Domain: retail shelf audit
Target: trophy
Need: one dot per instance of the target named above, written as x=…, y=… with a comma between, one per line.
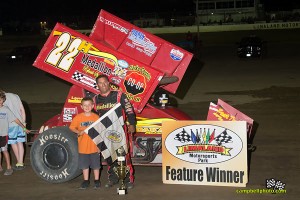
x=121, y=172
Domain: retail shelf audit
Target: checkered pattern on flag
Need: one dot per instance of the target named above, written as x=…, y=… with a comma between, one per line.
x=183, y=136
x=223, y=138
x=108, y=133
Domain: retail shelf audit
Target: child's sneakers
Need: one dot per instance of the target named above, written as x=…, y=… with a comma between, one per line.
x=84, y=185
x=97, y=184
x=8, y=172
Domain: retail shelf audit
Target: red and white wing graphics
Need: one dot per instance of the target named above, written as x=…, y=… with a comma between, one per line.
x=78, y=59
x=142, y=46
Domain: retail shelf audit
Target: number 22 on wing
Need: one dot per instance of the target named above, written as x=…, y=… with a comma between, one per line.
x=62, y=60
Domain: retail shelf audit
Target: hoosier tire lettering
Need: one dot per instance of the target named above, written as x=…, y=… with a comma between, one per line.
x=63, y=175
x=54, y=155
x=43, y=139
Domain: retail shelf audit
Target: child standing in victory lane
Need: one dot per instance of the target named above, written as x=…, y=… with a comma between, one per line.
x=89, y=156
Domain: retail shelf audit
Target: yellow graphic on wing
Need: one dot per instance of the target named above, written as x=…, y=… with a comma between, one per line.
x=150, y=126
x=94, y=51
x=104, y=55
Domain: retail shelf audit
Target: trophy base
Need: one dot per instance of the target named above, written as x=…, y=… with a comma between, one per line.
x=121, y=191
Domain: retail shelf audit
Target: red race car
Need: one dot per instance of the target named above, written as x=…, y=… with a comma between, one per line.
x=141, y=65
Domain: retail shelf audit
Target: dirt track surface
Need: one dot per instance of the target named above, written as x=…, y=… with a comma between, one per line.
x=267, y=90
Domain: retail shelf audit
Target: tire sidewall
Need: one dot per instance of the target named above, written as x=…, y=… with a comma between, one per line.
x=64, y=139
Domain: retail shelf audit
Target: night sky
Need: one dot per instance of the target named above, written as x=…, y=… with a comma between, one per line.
x=43, y=9
x=16, y=9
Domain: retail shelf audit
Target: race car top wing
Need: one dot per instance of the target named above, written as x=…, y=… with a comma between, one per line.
x=142, y=46
x=79, y=59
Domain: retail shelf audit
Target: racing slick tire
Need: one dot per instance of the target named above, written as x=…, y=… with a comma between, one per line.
x=54, y=155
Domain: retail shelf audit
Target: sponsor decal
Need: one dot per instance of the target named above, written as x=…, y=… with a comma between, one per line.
x=150, y=126
x=106, y=106
x=83, y=79
x=140, y=70
x=176, y=55
x=141, y=43
x=114, y=25
x=135, y=83
x=119, y=72
x=67, y=118
x=220, y=113
x=75, y=99
x=71, y=111
x=113, y=136
x=131, y=97
x=203, y=144
x=100, y=66
x=115, y=80
x=89, y=71
x=149, y=129
x=123, y=64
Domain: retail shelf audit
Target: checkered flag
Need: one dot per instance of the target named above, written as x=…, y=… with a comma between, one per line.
x=183, y=136
x=223, y=138
x=108, y=134
x=83, y=78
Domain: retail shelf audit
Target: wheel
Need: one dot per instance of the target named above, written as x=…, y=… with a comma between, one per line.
x=54, y=155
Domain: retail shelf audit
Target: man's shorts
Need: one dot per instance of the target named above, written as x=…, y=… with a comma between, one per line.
x=3, y=143
x=15, y=135
x=89, y=161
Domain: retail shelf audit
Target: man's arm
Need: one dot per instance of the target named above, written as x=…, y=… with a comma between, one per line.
x=131, y=128
x=129, y=111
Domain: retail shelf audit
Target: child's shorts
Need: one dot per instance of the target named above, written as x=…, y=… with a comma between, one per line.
x=89, y=161
x=3, y=143
x=15, y=135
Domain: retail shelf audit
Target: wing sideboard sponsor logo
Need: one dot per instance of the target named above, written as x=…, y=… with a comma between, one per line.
x=176, y=55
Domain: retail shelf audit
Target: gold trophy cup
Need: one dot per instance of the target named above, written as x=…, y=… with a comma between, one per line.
x=121, y=171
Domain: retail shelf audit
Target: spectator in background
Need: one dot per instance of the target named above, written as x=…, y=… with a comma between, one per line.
x=16, y=135
x=6, y=117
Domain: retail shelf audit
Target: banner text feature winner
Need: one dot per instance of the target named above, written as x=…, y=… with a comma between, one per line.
x=205, y=153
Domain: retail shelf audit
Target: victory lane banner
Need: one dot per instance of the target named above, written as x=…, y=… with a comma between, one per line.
x=205, y=153
x=78, y=59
